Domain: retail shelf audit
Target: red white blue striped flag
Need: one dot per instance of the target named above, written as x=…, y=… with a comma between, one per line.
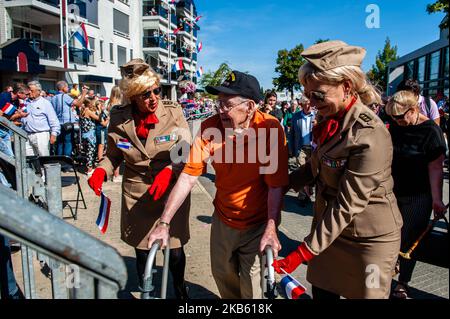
x=103, y=214
x=292, y=287
x=9, y=109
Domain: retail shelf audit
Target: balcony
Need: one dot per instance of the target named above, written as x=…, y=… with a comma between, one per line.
x=47, y=50
x=157, y=42
x=78, y=56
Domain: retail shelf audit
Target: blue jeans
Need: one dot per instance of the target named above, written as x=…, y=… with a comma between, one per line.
x=64, y=143
x=8, y=285
x=5, y=142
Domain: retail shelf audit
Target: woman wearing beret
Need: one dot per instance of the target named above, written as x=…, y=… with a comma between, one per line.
x=354, y=240
x=144, y=133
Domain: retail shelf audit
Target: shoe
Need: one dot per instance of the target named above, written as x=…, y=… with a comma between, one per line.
x=182, y=293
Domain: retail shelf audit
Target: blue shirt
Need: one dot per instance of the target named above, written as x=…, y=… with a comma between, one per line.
x=302, y=125
x=41, y=117
x=62, y=104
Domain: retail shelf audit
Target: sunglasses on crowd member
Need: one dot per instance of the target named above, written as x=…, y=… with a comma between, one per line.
x=317, y=95
x=401, y=116
x=147, y=94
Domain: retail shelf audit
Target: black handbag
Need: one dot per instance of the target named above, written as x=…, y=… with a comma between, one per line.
x=434, y=247
x=69, y=126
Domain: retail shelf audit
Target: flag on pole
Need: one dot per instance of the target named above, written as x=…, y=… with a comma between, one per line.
x=198, y=18
x=199, y=47
x=82, y=36
x=174, y=1
x=178, y=66
x=9, y=109
x=292, y=287
x=177, y=30
x=200, y=72
x=103, y=214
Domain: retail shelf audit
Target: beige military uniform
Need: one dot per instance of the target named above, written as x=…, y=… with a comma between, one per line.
x=140, y=212
x=355, y=231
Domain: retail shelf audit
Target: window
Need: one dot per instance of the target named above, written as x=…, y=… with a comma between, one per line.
x=121, y=22
x=102, y=54
x=111, y=52
x=121, y=55
x=434, y=65
x=446, y=62
x=92, y=52
x=131, y=54
x=421, y=70
x=409, y=71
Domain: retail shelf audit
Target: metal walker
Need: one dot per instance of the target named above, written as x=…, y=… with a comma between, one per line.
x=147, y=282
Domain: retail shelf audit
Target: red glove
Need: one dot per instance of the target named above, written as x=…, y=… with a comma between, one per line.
x=293, y=260
x=161, y=183
x=96, y=180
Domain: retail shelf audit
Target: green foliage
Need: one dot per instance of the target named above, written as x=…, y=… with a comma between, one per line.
x=378, y=74
x=440, y=6
x=288, y=64
x=215, y=77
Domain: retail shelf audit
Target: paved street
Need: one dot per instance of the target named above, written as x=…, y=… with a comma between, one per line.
x=428, y=281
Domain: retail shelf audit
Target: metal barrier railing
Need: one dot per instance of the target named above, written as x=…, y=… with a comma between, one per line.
x=93, y=268
x=147, y=281
x=81, y=266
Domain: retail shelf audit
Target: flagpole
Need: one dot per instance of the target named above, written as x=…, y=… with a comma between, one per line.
x=169, y=39
x=192, y=40
x=296, y=281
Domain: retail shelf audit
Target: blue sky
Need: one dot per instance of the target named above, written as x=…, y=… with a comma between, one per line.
x=248, y=33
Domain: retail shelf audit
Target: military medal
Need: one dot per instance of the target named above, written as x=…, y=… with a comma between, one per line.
x=165, y=138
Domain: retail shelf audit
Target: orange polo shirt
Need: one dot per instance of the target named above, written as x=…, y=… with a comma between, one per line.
x=245, y=167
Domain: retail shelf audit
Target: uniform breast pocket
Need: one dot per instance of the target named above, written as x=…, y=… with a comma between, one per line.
x=332, y=170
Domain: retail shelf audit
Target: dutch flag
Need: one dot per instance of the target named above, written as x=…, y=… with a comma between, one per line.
x=200, y=72
x=9, y=109
x=82, y=36
x=178, y=66
x=103, y=214
x=292, y=287
x=199, y=47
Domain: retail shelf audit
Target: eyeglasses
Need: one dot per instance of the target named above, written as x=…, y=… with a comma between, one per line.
x=147, y=94
x=400, y=117
x=226, y=107
x=317, y=95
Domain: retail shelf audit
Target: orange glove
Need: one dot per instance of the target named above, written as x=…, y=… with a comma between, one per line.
x=96, y=180
x=293, y=260
x=161, y=183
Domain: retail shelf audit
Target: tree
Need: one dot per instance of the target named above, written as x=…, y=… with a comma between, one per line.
x=216, y=77
x=321, y=40
x=440, y=6
x=288, y=64
x=378, y=74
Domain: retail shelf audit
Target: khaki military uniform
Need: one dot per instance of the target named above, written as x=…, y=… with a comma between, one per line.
x=355, y=231
x=140, y=213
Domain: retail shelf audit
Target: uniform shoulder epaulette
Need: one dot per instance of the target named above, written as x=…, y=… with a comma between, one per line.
x=169, y=103
x=366, y=117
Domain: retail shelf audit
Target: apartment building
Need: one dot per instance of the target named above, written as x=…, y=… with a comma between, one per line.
x=161, y=21
x=36, y=42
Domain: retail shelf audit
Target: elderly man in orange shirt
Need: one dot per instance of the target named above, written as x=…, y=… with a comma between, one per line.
x=248, y=151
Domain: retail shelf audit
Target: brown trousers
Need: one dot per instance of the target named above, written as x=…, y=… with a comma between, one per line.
x=236, y=261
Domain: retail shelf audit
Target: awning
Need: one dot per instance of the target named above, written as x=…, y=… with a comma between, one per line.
x=16, y=55
x=94, y=78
